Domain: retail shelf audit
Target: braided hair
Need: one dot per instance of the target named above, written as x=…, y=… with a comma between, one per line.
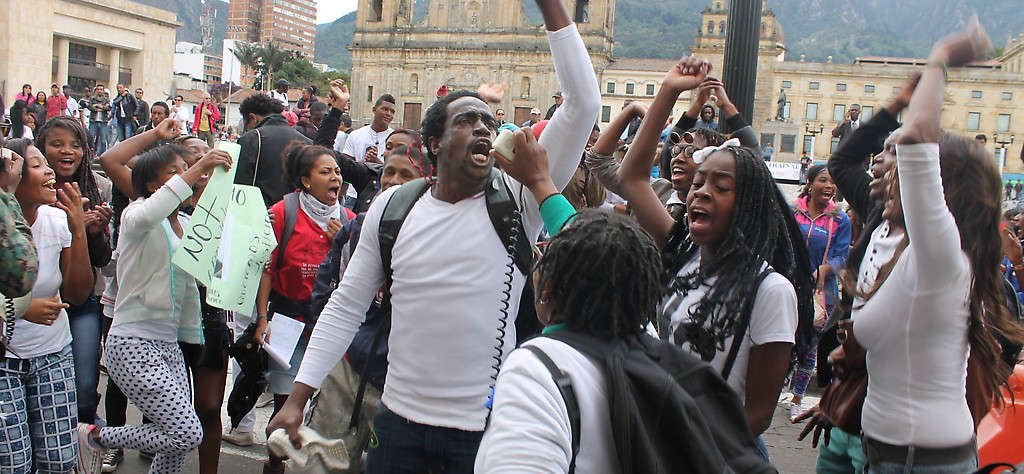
x=600, y=273
x=84, y=175
x=762, y=230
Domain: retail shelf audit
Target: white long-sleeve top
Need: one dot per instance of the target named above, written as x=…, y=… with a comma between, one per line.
x=449, y=269
x=530, y=430
x=915, y=326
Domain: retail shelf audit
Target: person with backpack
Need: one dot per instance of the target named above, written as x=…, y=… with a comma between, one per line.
x=463, y=270
x=305, y=223
x=916, y=417
x=737, y=281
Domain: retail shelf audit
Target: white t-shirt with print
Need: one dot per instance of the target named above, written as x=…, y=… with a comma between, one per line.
x=773, y=319
x=51, y=235
x=358, y=141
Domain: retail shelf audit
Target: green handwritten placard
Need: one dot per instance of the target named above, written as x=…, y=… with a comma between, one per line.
x=246, y=243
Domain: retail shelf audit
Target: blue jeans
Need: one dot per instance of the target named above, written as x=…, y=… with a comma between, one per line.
x=125, y=128
x=965, y=466
x=98, y=130
x=38, y=416
x=398, y=445
x=85, y=331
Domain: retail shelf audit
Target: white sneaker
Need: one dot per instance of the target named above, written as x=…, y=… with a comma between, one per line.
x=795, y=409
x=90, y=457
x=239, y=438
x=332, y=452
x=265, y=400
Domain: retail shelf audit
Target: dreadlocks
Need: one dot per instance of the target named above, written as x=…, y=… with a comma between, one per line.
x=601, y=275
x=83, y=175
x=762, y=230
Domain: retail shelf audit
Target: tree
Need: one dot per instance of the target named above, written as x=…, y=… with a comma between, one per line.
x=271, y=57
x=248, y=55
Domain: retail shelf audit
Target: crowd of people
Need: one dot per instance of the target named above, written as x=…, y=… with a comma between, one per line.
x=472, y=306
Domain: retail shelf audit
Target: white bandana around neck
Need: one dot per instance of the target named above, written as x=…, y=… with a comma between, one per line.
x=700, y=155
x=320, y=213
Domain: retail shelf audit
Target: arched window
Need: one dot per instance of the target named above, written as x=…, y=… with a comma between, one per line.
x=711, y=27
x=524, y=86
x=718, y=6
x=582, y=13
x=721, y=28
x=376, y=10
x=414, y=81
x=764, y=30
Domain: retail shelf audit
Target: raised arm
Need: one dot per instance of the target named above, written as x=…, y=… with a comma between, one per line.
x=158, y=206
x=636, y=166
x=600, y=159
x=115, y=160
x=929, y=223
x=846, y=165
x=567, y=133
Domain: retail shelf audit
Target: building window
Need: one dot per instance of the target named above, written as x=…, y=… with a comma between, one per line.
x=606, y=113
x=841, y=87
x=524, y=85
x=369, y=93
x=582, y=14
x=788, y=144
x=1007, y=95
x=812, y=111
x=377, y=10
x=866, y=113
x=808, y=143
x=610, y=88
x=630, y=88
x=833, y=145
x=650, y=89
x=711, y=27
x=869, y=89
x=839, y=112
x=721, y=28
x=787, y=84
x=974, y=120
x=414, y=80
x=815, y=86
x=975, y=94
x=767, y=139
x=1003, y=123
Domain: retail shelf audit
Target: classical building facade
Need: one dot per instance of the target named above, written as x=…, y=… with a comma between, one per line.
x=90, y=41
x=461, y=44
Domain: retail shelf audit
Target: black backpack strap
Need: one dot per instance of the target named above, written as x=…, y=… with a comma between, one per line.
x=564, y=384
x=503, y=211
x=395, y=212
x=382, y=330
x=741, y=330
x=291, y=210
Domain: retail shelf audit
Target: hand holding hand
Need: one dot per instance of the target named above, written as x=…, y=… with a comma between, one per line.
x=44, y=310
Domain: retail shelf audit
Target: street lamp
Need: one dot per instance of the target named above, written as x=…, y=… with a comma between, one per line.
x=813, y=132
x=1002, y=141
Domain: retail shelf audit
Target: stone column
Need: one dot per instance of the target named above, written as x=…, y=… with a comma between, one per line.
x=740, y=65
x=115, y=68
x=63, y=53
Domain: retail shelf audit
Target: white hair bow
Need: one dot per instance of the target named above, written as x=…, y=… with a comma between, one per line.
x=700, y=155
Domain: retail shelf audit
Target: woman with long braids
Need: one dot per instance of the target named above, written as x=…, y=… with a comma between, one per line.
x=826, y=232
x=734, y=265
x=930, y=297
x=65, y=143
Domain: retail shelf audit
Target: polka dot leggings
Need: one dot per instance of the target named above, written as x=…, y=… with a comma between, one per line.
x=152, y=375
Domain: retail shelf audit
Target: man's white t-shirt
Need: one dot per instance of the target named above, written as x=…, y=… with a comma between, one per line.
x=72, y=108
x=281, y=97
x=773, y=319
x=339, y=142
x=51, y=235
x=182, y=115
x=357, y=143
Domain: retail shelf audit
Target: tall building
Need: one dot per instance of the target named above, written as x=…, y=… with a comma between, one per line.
x=289, y=23
x=461, y=44
x=84, y=43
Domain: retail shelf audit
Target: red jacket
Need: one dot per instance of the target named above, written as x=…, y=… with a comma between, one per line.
x=56, y=105
x=214, y=117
